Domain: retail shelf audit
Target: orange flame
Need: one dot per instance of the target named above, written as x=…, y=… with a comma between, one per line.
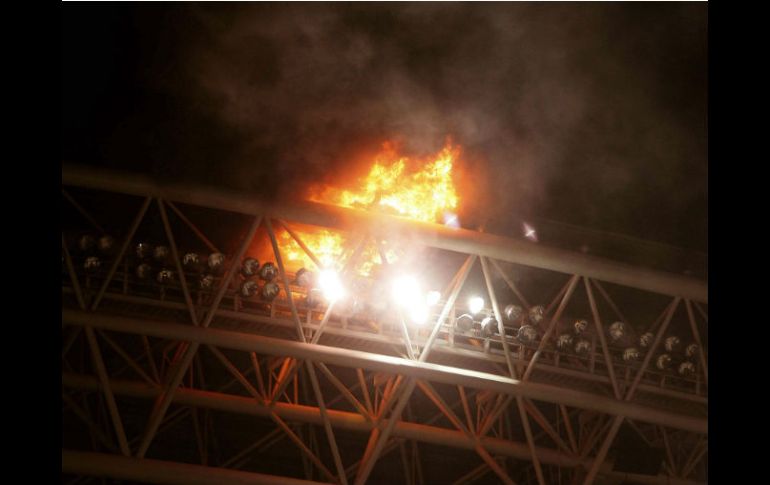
x=327, y=246
x=419, y=189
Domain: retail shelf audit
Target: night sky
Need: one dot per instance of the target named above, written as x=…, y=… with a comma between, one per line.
x=593, y=115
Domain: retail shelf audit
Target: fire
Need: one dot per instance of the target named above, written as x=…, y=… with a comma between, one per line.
x=327, y=246
x=331, y=248
x=417, y=188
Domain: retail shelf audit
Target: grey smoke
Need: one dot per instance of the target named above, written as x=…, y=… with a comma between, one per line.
x=593, y=114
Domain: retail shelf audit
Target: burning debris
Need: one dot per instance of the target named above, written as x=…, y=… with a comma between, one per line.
x=421, y=189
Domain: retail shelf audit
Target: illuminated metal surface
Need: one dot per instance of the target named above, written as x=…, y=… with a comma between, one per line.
x=365, y=365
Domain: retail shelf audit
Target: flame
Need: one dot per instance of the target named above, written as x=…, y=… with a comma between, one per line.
x=331, y=248
x=421, y=189
x=326, y=245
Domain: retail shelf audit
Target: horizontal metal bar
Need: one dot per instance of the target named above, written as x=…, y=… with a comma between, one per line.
x=438, y=346
x=165, y=472
x=434, y=235
x=384, y=363
x=339, y=419
x=355, y=422
x=622, y=477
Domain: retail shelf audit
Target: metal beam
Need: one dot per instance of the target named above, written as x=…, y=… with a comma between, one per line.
x=345, y=420
x=340, y=419
x=602, y=338
x=551, y=326
x=696, y=336
x=512, y=370
x=83, y=212
x=455, y=420
x=96, y=357
x=383, y=363
x=177, y=262
x=618, y=420
x=310, y=369
x=165, y=472
x=161, y=405
x=194, y=228
x=439, y=347
x=134, y=226
x=378, y=439
x=434, y=235
x=93, y=427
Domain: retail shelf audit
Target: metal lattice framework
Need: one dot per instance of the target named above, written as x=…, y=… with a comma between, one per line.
x=348, y=388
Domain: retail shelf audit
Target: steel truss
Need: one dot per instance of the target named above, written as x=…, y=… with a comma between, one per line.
x=320, y=376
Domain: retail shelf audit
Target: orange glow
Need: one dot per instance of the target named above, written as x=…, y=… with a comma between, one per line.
x=325, y=245
x=419, y=189
x=331, y=248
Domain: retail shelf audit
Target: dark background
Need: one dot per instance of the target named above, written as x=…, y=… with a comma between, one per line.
x=593, y=115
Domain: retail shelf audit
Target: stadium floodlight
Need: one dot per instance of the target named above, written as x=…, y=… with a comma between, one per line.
x=475, y=304
x=663, y=362
x=686, y=369
x=206, y=282
x=489, y=326
x=631, y=354
x=527, y=334
x=513, y=312
x=216, y=263
x=617, y=331
x=536, y=314
x=304, y=278
x=92, y=264
x=86, y=243
x=143, y=271
x=270, y=291
x=408, y=295
x=250, y=267
x=582, y=346
x=165, y=276
x=161, y=254
x=464, y=322
x=106, y=244
x=329, y=282
x=248, y=288
x=672, y=343
x=564, y=342
x=646, y=340
x=143, y=251
x=691, y=350
x=405, y=291
x=191, y=262
x=268, y=272
x=313, y=297
x=419, y=314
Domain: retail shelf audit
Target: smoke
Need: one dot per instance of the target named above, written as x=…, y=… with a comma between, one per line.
x=589, y=113
x=309, y=88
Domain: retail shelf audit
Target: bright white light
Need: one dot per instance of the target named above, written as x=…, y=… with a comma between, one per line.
x=330, y=284
x=451, y=220
x=408, y=295
x=406, y=291
x=475, y=304
x=419, y=314
x=433, y=297
x=529, y=232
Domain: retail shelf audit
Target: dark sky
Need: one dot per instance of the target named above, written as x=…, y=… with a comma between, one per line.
x=589, y=114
